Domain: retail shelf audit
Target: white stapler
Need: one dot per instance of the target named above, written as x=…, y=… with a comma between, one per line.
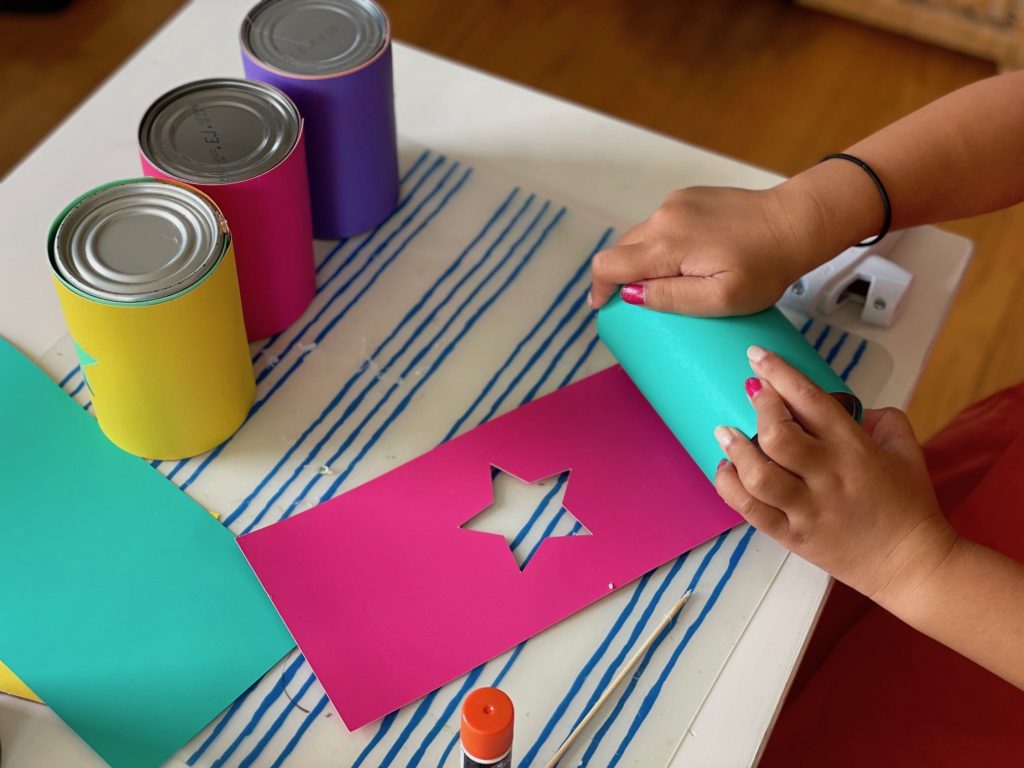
x=861, y=275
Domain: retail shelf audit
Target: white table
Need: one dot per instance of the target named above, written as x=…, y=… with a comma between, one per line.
x=604, y=162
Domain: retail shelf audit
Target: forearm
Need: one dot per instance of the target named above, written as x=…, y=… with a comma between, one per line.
x=959, y=156
x=973, y=602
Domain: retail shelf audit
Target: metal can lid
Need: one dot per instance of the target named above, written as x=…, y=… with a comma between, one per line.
x=314, y=37
x=138, y=241
x=219, y=131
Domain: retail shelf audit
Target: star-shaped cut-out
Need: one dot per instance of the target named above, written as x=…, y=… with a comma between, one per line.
x=525, y=514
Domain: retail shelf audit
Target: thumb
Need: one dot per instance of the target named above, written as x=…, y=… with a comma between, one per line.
x=685, y=295
x=890, y=428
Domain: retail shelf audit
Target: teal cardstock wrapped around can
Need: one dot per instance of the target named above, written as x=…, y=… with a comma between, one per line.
x=692, y=369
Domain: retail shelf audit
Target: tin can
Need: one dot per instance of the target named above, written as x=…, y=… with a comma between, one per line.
x=241, y=142
x=333, y=57
x=145, y=273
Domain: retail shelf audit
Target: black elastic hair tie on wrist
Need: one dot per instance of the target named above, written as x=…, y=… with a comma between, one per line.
x=887, y=221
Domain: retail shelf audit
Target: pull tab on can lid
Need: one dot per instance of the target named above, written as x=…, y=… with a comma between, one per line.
x=487, y=720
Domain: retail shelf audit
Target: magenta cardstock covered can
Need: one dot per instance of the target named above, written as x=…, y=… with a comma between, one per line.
x=241, y=142
x=333, y=58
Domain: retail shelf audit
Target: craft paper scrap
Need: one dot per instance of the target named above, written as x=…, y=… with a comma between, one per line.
x=389, y=598
x=126, y=607
x=11, y=683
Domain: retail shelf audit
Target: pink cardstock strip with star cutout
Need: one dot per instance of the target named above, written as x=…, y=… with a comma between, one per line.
x=389, y=598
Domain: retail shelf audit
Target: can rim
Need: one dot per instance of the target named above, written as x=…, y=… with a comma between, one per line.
x=192, y=183
x=52, y=237
x=247, y=51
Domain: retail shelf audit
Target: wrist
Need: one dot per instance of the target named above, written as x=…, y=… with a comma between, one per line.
x=915, y=568
x=839, y=206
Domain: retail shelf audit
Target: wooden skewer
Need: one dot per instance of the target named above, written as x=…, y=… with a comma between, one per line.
x=622, y=675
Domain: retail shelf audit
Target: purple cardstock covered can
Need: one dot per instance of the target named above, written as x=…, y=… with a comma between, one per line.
x=333, y=58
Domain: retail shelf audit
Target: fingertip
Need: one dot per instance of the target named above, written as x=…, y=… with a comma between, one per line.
x=725, y=437
x=597, y=299
x=634, y=293
x=756, y=355
x=753, y=385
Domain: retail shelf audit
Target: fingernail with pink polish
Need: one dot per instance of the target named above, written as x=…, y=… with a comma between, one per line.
x=722, y=463
x=632, y=293
x=756, y=354
x=724, y=436
x=753, y=386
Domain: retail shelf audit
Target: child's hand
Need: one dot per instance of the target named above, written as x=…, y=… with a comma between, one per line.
x=855, y=501
x=713, y=251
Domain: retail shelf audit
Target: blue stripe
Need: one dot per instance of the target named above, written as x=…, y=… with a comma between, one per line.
x=323, y=263
x=365, y=366
x=302, y=357
x=806, y=326
x=526, y=339
x=635, y=677
x=453, y=343
x=541, y=348
x=655, y=691
x=369, y=259
x=279, y=687
x=382, y=731
x=278, y=721
x=588, y=319
x=285, y=678
x=78, y=388
x=579, y=363
x=422, y=708
x=313, y=715
x=548, y=531
x=836, y=347
x=468, y=326
x=220, y=724
x=822, y=337
x=321, y=284
x=67, y=376
x=856, y=359
x=541, y=506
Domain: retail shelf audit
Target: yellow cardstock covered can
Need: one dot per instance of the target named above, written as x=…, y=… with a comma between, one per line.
x=145, y=274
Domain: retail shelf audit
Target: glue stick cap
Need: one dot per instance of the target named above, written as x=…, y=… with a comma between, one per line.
x=487, y=718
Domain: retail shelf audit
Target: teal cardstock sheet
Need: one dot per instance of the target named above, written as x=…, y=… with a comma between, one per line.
x=126, y=606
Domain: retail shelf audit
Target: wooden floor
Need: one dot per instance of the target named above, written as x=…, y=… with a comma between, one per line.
x=762, y=80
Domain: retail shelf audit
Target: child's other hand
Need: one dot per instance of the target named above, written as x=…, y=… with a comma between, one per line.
x=855, y=501
x=712, y=251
